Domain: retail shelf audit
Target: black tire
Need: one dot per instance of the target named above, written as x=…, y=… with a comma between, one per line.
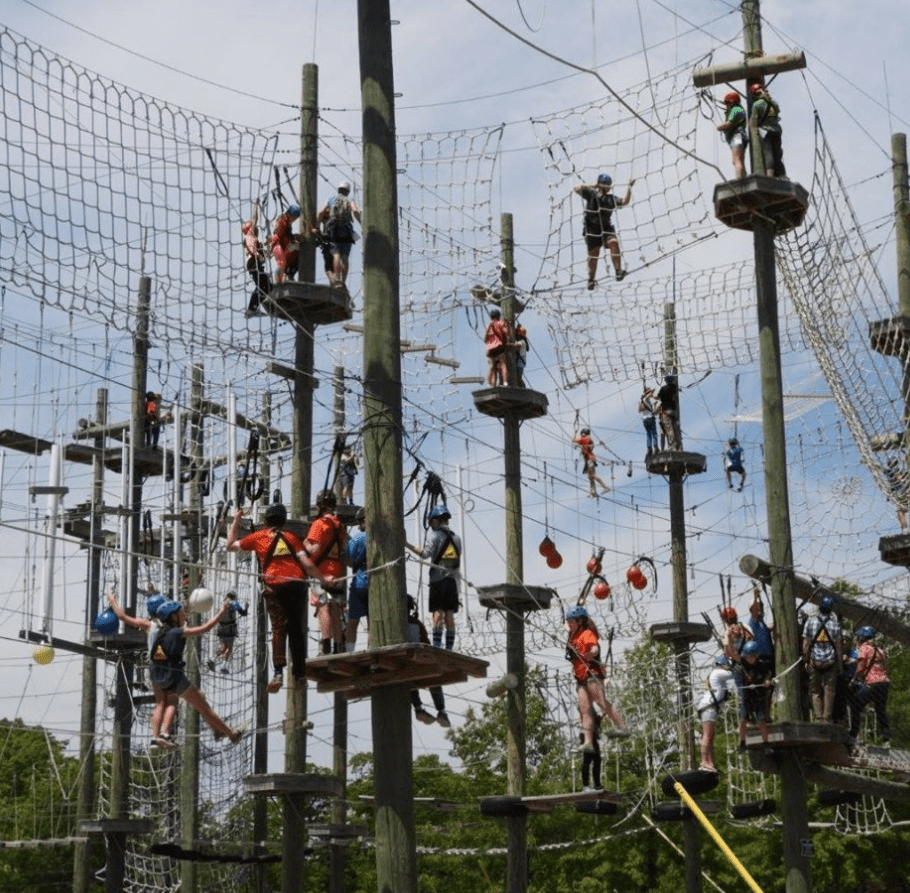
x=670, y=812
x=754, y=809
x=502, y=806
x=695, y=782
x=597, y=807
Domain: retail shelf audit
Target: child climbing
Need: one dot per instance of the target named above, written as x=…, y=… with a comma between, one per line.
x=598, y=229
x=733, y=464
x=583, y=650
x=585, y=443
x=721, y=685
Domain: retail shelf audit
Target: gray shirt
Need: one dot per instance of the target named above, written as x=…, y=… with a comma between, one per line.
x=443, y=549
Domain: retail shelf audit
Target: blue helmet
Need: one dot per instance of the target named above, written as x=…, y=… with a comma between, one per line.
x=721, y=661
x=865, y=632
x=153, y=603
x=294, y=210
x=579, y=612
x=604, y=180
x=750, y=648
x=440, y=512
x=107, y=623
x=168, y=608
x=826, y=604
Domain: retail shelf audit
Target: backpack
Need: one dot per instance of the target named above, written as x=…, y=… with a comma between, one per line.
x=340, y=225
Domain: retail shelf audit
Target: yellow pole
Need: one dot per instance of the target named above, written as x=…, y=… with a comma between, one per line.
x=717, y=838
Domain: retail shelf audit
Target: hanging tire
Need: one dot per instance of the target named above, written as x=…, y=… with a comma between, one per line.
x=834, y=797
x=695, y=782
x=754, y=809
x=670, y=812
x=597, y=807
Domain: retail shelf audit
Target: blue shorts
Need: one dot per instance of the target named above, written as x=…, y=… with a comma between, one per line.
x=358, y=603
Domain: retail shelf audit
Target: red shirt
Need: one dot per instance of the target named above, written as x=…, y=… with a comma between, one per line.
x=871, y=664
x=587, y=447
x=585, y=664
x=284, y=567
x=329, y=534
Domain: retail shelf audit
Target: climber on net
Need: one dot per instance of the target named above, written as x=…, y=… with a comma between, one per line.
x=284, y=244
x=585, y=443
x=336, y=220
x=255, y=264
x=734, y=131
x=766, y=117
x=733, y=464
x=597, y=228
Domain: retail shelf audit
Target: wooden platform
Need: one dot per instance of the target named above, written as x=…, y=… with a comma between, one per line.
x=679, y=462
x=278, y=784
x=356, y=674
x=895, y=549
x=336, y=835
x=890, y=337
x=513, y=805
x=738, y=202
x=673, y=631
x=307, y=302
x=522, y=403
x=516, y=597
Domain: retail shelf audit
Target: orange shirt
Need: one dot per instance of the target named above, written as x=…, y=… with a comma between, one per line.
x=284, y=567
x=330, y=535
x=584, y=664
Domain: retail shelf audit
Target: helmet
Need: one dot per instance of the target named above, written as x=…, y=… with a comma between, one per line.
x=826, y=604
x=670, y=378
x=276, y=515
x=734, y=441
x=520, y=330
x=750, y=648
x=585, y=431
x=728, y=615
x=579, y=612
x=344, y=187
x=731, y=98
x=495, y=313
x=153, y=603
x=293, y=210
x=360, y=515
x=167, y=609
x=604, y=180
x=721, y=661
x=149, y=395
x=865, y=632
x=440, y=512
x=755, y=89
x=326, y=499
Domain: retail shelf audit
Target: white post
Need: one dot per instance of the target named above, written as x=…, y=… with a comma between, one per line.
x=55, y=475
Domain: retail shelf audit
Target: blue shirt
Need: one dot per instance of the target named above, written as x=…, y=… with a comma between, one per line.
x=357, y=556
x=762, y=636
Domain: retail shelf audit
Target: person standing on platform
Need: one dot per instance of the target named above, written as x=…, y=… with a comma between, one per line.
x=325, y=545
x=442, y=548
x=597, y=229
x=585, y=443
x=822, y=658
x=347, y=471
x=871, y=684
x=766, y=116
x=498, y=340
x=583, y=650
x=283, y=238
x=521, y=347
x=756, y=684
x=721, y=685
x=152, y=419
x=734, y=131
x=359, y=590
x=668, y=409
x=337, y=220
x=255, y=265
x=648, y=411
x=284, y=567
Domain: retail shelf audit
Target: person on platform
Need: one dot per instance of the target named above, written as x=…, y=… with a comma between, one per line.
x=498, y=341
x=721, y=685
x=766, y=117
x=647, y=409
x=583, y=650
x=756, y=683
x=442, y=548
x=347, y=472
x=326, y=545
x=734, y=130
x=668, y=413
x=284, y=566
x=822, y=658
x=871, y=684
x=284, y=244
x=255, y=265
x=359, y=590
x=733, y=464
x=521, y=346
x=597, y=228
x=152, y=419
x=337, y=221
x=417, y=634
x=585, y=444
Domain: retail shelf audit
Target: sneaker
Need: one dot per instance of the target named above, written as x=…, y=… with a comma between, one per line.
x=275, y=684
x=162, y=743
x=620, y=275
x=591, y=284
x=424, y=716
x=443, y=719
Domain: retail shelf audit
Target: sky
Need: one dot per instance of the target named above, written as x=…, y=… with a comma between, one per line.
x=458, y=72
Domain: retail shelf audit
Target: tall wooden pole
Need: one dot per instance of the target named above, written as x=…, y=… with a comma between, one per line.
x=396, y=860
x=515, y=625
x=901, y=192
x=780, y=544
x=85, y=797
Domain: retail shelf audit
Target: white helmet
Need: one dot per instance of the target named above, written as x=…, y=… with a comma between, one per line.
x=344, y=187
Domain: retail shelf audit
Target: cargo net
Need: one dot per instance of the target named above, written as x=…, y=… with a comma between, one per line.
x=829, y=271
x=670, y=213
x=747, y=789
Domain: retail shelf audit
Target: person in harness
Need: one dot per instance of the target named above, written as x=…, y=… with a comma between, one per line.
x=325, y=544
x=598, y=229
x=766, y=117
x=284, y=567
x=733, y=464
x=822, y=658
x=721, y=685
x=336, y=220
x=734, y=131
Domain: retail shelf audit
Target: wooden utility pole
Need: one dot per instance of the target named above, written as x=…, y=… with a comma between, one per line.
x=396, y=859
x=775, y=205
x=85, y=797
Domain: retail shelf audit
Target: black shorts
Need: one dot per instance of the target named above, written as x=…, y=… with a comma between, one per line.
x=593, y=241
x=444, y=595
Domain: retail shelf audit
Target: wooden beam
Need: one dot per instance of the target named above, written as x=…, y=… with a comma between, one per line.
x=750, y=69
x=860, y=784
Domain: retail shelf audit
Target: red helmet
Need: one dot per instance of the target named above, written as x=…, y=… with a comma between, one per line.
x=728, y=615
x=731, y=98
x=755, y=89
